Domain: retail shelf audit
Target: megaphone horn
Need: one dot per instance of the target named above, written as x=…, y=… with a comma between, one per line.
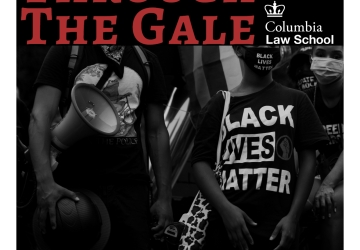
x=91, y=112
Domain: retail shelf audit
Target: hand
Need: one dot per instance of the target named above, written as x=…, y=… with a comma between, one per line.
x=324, y=200
x=287, y=227
x=235, y=223
x=47, y=197
x=162, y=211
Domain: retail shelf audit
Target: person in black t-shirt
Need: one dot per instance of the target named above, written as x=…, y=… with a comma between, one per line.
x=328, y=67
x=299, y=69
x=111, y=166
x=261, y=198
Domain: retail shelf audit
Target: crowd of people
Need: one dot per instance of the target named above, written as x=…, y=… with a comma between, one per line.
x=281, y=149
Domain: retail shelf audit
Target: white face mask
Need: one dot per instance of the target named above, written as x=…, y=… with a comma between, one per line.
x=327, y=70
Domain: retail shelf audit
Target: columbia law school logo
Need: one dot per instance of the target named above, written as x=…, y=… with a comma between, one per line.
x=274, y=10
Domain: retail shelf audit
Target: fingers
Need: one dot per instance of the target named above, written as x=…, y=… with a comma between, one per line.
x=317, y=203
x=162, y=216
x=275, y=232
x=160, y=225
x=329, y=205
x=233, y=239
x=237, y=239
x=249, y=220
x=42, y=219
x=320, y=205
x=240, y=237
x=334, y=203
x=323, y=207
x=247, y=235
x=159, y=228
x=47, y=205
x=71, y=194
x=52, y=214
x=241, y=240
x=279, y=247
x=285, y=242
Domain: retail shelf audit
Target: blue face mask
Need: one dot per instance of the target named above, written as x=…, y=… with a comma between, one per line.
x=327, y=70
x=260, y=60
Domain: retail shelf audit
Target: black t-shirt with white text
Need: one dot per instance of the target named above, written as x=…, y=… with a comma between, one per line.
x=260, y=132
x=332, y=120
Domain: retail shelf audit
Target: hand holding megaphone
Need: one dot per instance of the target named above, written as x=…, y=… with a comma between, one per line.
x=91, y=112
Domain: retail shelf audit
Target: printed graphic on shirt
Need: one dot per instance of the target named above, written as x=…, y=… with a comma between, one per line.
x=284, y=147
x=124, y=94
x=250, y=148
x=240, y=148
x=268, y=116
x=306, y=82
x=335, y=132
x=276, y=180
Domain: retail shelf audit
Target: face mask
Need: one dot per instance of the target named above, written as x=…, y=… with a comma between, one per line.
x=261, y=60
x=327, y=70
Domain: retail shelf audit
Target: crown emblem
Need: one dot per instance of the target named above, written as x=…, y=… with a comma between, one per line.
x=274, y=10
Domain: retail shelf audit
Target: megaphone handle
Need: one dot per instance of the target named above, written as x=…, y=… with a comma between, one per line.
x=105, y=76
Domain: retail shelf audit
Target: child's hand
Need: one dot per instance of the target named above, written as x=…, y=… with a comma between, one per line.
x=235, y=223
x=287, y=227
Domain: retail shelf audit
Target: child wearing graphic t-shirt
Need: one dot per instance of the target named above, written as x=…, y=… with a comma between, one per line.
x=260, y=199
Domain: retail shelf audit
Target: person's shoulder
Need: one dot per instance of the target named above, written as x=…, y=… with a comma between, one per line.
x=289, y=91
x=216, y=99
x=310, y=92
x=214, y=106
x=219, y=95
x=150, y=56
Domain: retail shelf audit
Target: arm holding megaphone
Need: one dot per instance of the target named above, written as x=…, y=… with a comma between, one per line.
x=48, y=191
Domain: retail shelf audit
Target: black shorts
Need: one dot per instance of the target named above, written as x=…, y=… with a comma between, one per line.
x=128, y=207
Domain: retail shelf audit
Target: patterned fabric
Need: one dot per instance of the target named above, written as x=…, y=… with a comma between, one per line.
x=114, y=52
x=196, y=220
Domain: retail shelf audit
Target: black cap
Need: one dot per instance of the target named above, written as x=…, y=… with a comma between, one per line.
x=301, y=57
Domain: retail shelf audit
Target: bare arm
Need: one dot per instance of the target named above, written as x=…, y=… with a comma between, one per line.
x=43, y=113
x=206, y=181
x=48, y=192
x=336, y=175
x=304, y=183
x=159, y=151
x=233, y=217
x=324, y=199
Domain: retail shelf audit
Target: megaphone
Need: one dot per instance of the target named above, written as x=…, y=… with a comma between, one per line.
x=91, y=112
